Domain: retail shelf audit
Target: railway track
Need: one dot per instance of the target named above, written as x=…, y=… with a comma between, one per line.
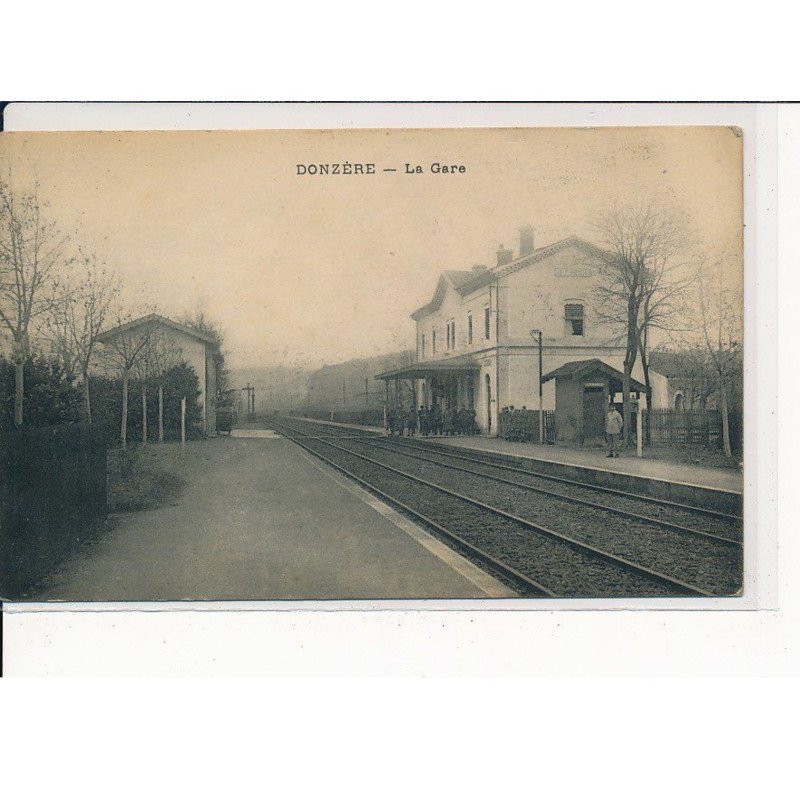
x=495, y=473
x=730, y=522
x=510, y=545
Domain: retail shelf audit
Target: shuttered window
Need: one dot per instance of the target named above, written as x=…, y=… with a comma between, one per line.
x=573, y=316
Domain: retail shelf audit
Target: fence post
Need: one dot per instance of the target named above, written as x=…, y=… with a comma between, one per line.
x=183, y=422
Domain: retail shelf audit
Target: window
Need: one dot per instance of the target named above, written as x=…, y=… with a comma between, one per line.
x=448, y=335
x=469, y=327
x=422, y=348
x=487, y=322
x=433, y=341
x=573, y=318
x=453, y=333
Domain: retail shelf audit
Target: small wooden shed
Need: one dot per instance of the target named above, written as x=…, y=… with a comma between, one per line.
x=583, y=391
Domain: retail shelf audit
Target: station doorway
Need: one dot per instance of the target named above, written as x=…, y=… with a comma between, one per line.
x=594, y=413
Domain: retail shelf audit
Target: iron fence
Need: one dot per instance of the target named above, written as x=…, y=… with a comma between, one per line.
x=698, y=427
x=523, y=426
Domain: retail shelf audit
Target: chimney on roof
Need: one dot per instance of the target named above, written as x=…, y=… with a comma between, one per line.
x=525, y=240
x=504, y=256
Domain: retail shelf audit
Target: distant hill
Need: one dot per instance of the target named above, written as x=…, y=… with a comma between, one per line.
x=351, y=385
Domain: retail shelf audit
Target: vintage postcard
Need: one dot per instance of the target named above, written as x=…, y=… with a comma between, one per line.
x=445, y=364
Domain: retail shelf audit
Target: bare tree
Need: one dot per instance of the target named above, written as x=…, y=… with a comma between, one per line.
x=722, y=329
x=76, y=319
x=665, y=292
x=32, y=253
x=639, y=288
x=696, y=374
x=57, y=329
x=124, y=347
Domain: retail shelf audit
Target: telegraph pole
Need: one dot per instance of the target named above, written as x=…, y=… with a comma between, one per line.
x=251, y=399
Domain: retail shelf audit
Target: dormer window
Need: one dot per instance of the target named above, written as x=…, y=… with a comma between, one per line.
x=573, y=319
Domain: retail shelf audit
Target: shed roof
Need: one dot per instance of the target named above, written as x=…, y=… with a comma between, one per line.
x=151, y=319
x=576, y=369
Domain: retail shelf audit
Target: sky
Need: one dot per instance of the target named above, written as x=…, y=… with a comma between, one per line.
x=304, y=270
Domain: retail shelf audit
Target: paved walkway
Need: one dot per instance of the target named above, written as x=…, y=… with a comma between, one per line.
x=261, y=519
x=711, y=477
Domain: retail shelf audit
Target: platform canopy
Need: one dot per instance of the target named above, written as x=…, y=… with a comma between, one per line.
x=422, y=370
x=577, y=369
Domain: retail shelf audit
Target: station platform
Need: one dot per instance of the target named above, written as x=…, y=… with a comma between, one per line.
x=261, y=519
x=668, y=479
x=626, y=464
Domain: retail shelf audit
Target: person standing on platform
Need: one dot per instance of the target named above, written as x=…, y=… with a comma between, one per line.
x=423, y=421
x=448, y=421
x=613, y=430
x=411, y=421
x=471, y=421
x=438, y=420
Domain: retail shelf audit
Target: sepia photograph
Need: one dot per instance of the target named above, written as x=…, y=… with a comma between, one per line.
x=388, y=364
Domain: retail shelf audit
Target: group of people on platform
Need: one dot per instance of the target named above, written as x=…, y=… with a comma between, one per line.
x=431, y=421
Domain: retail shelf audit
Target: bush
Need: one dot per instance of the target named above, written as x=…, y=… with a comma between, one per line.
x=136, y=481
x=50, y=396
x=106, y=399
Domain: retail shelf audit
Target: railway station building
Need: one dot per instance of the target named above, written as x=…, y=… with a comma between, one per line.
x=477, y=340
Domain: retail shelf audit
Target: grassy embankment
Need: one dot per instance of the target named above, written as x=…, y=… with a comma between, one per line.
x=140, y=478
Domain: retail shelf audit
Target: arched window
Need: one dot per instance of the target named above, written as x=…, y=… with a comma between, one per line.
x=679, y=401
